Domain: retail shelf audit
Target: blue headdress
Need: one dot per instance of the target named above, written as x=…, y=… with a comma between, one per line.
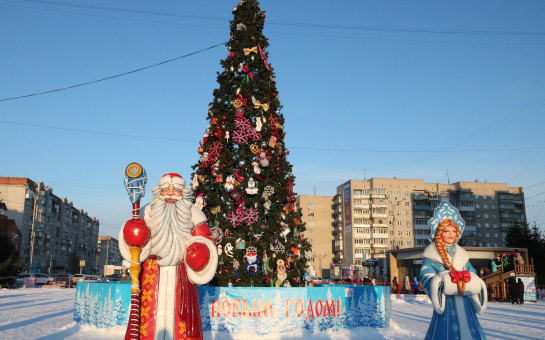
x=445, y=211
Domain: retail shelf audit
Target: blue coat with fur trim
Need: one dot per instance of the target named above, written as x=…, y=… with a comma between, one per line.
x=459, y=320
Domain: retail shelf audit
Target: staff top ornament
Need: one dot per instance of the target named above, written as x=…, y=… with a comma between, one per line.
x=445, y=211
x=135, y=181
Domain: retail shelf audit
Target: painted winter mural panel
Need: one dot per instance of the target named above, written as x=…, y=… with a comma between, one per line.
x=254, y=310
x=103, y=304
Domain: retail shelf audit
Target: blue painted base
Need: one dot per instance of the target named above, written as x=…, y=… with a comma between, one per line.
x=258, y=310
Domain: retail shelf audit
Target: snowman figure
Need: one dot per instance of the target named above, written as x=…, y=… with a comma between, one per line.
x=199, y=201
x=204, y=157
x=258, y=124
x=251, y=261
x=251, y=189
x=229, y=183
x=262, y=158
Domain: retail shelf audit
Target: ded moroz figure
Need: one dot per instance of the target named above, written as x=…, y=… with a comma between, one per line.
x=179, y=255
x=456, y=292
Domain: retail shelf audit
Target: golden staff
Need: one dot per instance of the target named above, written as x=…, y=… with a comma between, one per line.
x=136, y=234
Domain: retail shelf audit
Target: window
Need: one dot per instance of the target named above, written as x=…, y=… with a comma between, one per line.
x=399, y=213
x=408, y=243
x=400, y=233
x=495, y=226
x=477, y=205
x=496, y=235
x=487, y=235
x=493, y=206
x=408, y=213
x=485, y=215
x=484, y=197
x=311, y=223
x=389, y=193
x=310, y=206
x=408, y=223
x=408, y=233
x=407, y=204
x=487, y=225
x=310, y=214
x=406, y=194
x=485, y=206
x=398, y=193
x=399, y=222
x=478, y=224
x=311, y=241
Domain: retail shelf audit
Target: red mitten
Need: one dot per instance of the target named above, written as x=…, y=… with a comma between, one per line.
x=197, y=256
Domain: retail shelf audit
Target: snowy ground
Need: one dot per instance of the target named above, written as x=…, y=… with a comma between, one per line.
x=46, y=313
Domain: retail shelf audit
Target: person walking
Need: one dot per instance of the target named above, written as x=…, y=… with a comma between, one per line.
x=520, y=291
x=512, y=282
x=394, y=285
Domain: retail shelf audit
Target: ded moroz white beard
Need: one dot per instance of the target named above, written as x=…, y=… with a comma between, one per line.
x=170, y=225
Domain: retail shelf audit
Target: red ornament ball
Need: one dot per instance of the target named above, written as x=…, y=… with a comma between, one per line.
x=274, y=94
x=136, y=232
x=262, y=16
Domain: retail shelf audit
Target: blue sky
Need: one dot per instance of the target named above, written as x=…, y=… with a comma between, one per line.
x=410, y=89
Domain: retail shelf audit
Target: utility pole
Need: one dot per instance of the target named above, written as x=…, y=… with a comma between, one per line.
x=448, y=178
x=107, y=249
x=32, y=227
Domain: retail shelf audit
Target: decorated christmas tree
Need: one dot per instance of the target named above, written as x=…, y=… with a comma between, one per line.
x=243, y=181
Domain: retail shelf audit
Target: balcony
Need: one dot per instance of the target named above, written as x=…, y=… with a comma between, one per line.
x=380, y=215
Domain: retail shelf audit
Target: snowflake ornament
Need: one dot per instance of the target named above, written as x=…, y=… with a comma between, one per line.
x=250, y=216
x=269, y=190
x=234, y=219
x=280, y=248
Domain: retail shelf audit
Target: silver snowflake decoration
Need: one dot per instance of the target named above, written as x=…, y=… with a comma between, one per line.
x=280, y=248
x=269, y=190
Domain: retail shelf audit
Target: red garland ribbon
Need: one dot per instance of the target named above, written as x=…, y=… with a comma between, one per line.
x=289, y=186
x=456, y=276
x=238, y=176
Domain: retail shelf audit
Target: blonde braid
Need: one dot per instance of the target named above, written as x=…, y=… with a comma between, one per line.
x=442, y=249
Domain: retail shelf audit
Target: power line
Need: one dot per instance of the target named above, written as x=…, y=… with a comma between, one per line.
x=299, y=148
x=115, y=76
x=534, y=185
x=299, y=24
x=541, y=193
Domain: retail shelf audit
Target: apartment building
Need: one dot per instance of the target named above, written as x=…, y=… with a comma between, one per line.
x=55, y=235
x=373, y=216
x=108, y=253
x=317, y=215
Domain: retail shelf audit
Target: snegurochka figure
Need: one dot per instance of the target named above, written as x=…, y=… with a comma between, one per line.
x=451, y=282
